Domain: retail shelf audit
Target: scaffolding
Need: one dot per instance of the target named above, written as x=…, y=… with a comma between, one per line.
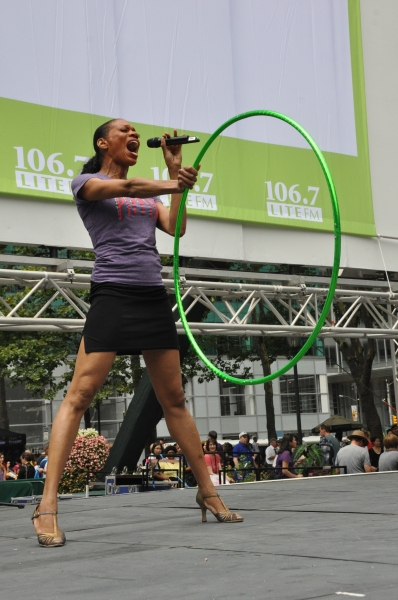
x=231, y=298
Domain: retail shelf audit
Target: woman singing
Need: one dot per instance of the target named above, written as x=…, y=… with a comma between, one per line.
x=130, y=312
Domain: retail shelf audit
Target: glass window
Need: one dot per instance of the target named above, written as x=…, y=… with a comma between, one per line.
x=308, y=391
x=330, y=355
x=26, y=412
x=384, y=350
x=34, y=433
x=336, y=401
x=232, y=399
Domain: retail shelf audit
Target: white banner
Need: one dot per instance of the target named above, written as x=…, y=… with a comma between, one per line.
x=190, y=64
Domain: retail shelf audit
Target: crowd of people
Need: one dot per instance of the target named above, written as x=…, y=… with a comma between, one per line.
x=369, y=454
x=167, y=463
x=357, y=453
x=29, y=466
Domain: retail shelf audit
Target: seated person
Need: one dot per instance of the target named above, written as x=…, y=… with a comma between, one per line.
x=153, y=462
x=213, y=462
x=169, y=462
x=156, y=452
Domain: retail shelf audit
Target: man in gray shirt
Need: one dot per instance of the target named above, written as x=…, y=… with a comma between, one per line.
x=355, y=456
x=390, y=456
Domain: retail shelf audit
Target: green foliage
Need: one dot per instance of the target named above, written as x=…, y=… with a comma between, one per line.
x=247, y=476
x=229, y=352
x=313, y=456
x=226, y=359
x=30, y=358
x=87, y=433
x=118, y=382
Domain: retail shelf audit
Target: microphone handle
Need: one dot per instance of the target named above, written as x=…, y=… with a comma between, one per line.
x=172, y=141
x=179, y=139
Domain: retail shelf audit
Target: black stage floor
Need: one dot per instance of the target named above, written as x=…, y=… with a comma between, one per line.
x=323, y=538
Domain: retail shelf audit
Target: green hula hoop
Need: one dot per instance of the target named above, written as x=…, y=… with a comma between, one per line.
x=336, y=260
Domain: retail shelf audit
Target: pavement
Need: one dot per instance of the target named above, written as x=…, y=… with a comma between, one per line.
x=304, y=539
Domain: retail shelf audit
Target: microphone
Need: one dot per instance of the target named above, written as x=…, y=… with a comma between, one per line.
x=172, y=141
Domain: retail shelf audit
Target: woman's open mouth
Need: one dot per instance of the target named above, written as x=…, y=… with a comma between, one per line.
x=132, y=145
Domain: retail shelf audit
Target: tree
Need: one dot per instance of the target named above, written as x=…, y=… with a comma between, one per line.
x=30, y=359
x=230, y=356
x=359, y=355
x=118, y=383
x=4, y=421
x=267, y=350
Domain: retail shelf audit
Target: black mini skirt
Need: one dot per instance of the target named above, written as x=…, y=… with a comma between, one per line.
x=127, y=319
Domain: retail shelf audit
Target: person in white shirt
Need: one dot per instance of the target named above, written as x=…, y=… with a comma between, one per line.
x=271, y=452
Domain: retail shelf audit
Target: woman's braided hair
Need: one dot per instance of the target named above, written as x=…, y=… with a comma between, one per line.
x=93, y=165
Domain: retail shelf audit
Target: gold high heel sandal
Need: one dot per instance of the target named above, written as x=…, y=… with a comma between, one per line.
x=50, y=540
x=223, y=517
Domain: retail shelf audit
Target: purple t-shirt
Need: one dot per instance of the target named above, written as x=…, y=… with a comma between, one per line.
x=122, y=231
x=285, y=456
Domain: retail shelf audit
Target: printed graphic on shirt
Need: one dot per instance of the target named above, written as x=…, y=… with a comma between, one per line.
x=136, y=206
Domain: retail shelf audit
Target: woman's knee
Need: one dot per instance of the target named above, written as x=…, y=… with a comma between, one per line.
x=81, y=395
x=173, y=398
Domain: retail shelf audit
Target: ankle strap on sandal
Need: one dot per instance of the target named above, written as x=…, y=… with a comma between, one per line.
x=47, y=512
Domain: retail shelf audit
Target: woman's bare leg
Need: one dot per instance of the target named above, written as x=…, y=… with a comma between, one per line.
x=90, y=372
x=165, y=374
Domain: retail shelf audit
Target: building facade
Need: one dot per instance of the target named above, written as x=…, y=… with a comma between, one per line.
x=230, y=409
x=325, y=387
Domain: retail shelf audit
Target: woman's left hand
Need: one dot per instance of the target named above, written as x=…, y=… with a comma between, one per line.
x=172, y=154
x=187, y=177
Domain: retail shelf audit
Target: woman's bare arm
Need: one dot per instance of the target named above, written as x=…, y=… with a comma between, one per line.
x=137, y=187
x=286, y=471
x=167, y=219
x=186, y=176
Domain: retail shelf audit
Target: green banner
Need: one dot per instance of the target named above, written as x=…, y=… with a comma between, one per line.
x=241, y=180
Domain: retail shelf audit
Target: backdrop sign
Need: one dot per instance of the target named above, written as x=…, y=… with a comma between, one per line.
x=65, y=70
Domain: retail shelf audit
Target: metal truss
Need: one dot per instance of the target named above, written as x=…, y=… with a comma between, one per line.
x=295, y=302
